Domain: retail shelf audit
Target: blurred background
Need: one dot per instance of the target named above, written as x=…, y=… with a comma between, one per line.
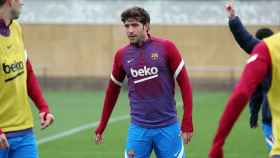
x=71, y=45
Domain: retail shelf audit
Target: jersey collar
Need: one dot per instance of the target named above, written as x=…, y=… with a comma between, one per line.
x=4, y=29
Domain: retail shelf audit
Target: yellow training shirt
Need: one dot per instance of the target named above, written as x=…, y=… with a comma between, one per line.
x=15, y=111
x=273, y=44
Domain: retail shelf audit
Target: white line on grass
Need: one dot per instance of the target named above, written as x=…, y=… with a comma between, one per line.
x=78, y=129
x=81, y=128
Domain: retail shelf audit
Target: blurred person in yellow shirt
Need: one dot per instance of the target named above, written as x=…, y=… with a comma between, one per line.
x=17, y=83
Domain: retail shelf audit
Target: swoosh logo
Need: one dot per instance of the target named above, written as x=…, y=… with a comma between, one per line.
x=129, y=61
x=14, y=77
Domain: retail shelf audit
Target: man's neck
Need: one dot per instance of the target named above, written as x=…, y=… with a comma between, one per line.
x=4, y=15
x=4, y=28
x=142, y=42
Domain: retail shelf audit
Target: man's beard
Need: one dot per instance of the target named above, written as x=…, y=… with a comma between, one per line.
x=15, y=14
x=139, y=40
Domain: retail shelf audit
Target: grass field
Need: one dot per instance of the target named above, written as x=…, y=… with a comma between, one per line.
x=78, y=112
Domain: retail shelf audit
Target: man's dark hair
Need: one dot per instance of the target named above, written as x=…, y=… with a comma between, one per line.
x=263, y=33
x=136, y=13
x=2, y=2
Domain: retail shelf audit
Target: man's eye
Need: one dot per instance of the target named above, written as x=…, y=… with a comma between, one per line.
x=134, y=25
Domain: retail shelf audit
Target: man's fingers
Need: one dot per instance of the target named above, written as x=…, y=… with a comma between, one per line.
x=49, y=118
x=3, y=142
x=44, y=125
x=187, y=137
x=98, y=139
x=229, y=7
x=46, y=119
x=231, y=4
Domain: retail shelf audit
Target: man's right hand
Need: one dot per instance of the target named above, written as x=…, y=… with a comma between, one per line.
x=230, y=9
x=3, y=141
x=46, y=119
x=187, y=137
x=98, y=138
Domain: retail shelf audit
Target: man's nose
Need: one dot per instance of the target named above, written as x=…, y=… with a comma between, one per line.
x=130, y=29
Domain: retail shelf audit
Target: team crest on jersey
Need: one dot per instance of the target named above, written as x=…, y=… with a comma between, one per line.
x=154, y=56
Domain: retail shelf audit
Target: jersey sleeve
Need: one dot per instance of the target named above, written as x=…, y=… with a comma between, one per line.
x=258, y=65
x=244, y=38
x=180, y=74
x=34, y=89
x=118, y=73
x=175, y=59
x=112, y=92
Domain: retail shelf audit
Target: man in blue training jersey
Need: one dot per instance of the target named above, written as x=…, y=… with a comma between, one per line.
x=151, y=65
x=259, y=98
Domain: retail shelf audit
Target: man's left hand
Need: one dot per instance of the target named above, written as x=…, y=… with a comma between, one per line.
x=46, y=119
x=187, y=137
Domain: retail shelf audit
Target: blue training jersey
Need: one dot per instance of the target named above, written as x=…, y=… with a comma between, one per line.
x=151, y=81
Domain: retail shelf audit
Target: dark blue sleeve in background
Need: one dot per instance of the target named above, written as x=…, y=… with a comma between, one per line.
x=244, y=38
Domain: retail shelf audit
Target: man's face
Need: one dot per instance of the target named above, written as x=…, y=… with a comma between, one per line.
x=16, y=6
x=135, y=31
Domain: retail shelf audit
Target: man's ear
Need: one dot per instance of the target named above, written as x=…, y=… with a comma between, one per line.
x=147, y=26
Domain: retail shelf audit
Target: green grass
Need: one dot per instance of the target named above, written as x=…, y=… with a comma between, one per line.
x=73, y=109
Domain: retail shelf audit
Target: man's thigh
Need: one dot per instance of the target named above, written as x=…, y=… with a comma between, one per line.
x=24, y=147
x=139, y=143
x=4, y=153
x=168, y=143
